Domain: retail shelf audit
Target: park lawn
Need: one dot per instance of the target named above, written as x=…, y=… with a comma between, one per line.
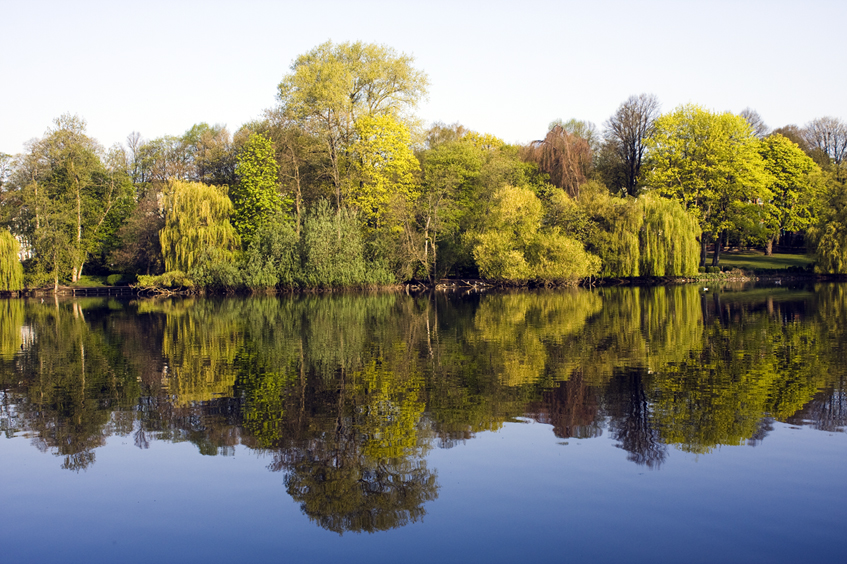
x=86, y=281
x=757, y=261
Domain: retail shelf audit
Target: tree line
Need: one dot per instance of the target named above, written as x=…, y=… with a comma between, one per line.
x=339, y=185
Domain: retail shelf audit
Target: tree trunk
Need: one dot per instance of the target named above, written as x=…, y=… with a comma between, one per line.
x=769, y=246
x=716, y=256
x=703, y=250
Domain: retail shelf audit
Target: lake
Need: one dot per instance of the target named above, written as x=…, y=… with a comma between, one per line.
x=660, y=424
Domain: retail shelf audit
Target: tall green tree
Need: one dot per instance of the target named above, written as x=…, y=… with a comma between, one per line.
x=795, y=182
x=386, y=168
x=333, y=85
x=450, y=169
x=255, y=197
x=69, y=201
x=709, y=162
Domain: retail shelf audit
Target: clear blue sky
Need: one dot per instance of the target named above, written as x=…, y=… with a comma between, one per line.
x=506, y=68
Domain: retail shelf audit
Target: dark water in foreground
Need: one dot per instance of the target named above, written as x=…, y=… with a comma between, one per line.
x=614, y=425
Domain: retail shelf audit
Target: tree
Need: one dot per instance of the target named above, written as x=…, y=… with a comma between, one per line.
x=386, y=168
x=581, y=128
x=793, y=134
x=711, y=164
x=449, y=170
x=829, y=135
x=667, y=239
x=829, y=236
x=626, y=133
x=333, y=251
x=564, y=156
x=794, y=182
x=301, y=161
x=332, y=86
x=68, y=201
x=11, y=270
x=514, y=247
x=760, y=129
x=140, y=250
x=255, y=197
x=196, y=225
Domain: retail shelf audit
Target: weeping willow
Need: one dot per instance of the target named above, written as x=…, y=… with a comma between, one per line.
x=197, y=224
x=615, y=240
x=668, y=238
x=829, y=241
x=647, y=236
x=11, y=270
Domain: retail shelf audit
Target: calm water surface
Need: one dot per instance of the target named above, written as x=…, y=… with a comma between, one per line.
x=612, y=425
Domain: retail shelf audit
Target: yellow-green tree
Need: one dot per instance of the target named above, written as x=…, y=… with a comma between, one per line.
x=667, y=239
x=11, y=270
x=513, y=246
x=795, y=182
x=386, y=168
x=197, y=223
x=711, y=163
x=255, y=196
x=334, y=85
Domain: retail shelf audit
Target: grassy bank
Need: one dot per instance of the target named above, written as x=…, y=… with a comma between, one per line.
x=758, y=262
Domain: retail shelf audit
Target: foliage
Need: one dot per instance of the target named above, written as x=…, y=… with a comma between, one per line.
x=11, y=269
x=667, y=239
x=615, y=231
x=564, y=156
x=644, y=236
x=68, y=202
x=170, y=279
x=710, y=163
x=795, y=184
x=196, y=224
x=273, y=258
x=334, y=85
x=140, y=249
x=514, y=247
x=333, y=251
x=386, y=168
x=255, y=197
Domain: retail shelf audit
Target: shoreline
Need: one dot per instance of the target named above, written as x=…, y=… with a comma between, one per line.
x=444, y=285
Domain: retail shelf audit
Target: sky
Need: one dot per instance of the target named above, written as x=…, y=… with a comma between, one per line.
x=502, y=67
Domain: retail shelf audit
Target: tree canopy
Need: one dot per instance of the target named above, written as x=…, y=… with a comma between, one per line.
x=709, y=162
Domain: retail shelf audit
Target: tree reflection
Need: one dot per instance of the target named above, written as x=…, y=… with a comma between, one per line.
x=631, y=423
x=70, y=379
x=347, y=393
x=572, y=408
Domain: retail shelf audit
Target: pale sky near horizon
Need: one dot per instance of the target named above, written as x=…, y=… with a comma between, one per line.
x=505, y=68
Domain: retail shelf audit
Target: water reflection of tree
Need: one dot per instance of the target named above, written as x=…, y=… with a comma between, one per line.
x=364, y=383
x=755, y=363
x=69, y=381
x=631, y=422
x=355, y=461
x=572, y=407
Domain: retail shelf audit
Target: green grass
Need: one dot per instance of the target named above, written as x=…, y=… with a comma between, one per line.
x=756, y=261
x=90, y=282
